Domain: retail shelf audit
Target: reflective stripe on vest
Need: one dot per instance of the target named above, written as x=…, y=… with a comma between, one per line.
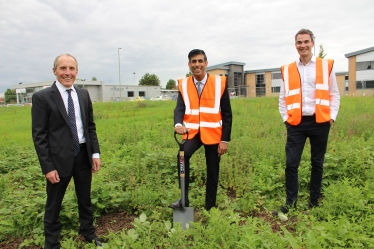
x=322, y=90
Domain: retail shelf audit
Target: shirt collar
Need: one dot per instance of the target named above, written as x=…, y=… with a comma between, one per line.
x=313, y=59
x=63, y=88
x=203, y=81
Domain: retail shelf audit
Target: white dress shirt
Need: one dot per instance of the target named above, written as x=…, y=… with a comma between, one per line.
x=203, y=81
x=78, y=117
x=308, y=91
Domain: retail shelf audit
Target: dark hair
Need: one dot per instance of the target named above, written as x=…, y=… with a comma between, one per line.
x=195, y=52
x=305, y=32
x=55, y=62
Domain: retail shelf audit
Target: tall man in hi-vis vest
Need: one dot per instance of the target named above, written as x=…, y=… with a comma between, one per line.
x=308, y=103
x=203, y=108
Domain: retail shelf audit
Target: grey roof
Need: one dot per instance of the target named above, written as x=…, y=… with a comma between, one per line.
x=340, y=73
x=275, y=69
x=49, y=83
x=225, y=65
x=362, y=51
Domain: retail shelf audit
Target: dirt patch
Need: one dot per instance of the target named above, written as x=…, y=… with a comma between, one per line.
x=275, y=222
x=114, y=222
x=231, y=193
x=13, y=243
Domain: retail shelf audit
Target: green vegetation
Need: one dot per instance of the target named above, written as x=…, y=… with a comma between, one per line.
x=138, y=176
x=10, y=96
x=171, y=84
x=149, y=80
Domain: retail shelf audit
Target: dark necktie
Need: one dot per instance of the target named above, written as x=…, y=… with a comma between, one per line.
x=199, y=87
x=73, y=124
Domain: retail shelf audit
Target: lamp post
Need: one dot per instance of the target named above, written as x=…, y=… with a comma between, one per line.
x=134, y=78
x=119, y=75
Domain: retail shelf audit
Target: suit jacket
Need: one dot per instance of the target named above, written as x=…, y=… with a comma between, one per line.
x=51, y=132
x=225, y=112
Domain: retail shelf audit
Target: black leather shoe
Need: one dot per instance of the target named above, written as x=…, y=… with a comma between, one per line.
x=284, y=209
x=312, y=203
x=96, y=240
x=178, y=204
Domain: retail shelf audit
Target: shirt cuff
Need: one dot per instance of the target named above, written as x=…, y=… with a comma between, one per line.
x=178, y=124
x=95, y=155
x=224, y=142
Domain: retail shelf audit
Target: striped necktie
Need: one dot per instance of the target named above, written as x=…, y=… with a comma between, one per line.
x=73, y=124
x=198, y=84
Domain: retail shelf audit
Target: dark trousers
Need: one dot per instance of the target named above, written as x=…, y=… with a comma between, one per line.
x=82, y=176
x=296, y=138
x=212, y=166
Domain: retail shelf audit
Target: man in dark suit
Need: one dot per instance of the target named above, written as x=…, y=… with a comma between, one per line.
x=204, y=109
x=65, y=140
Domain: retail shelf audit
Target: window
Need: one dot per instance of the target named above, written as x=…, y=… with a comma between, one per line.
x=130, y=94
x=260, y=85
x=369, y=84
x=276, y=76
x=275, y=89
x=365, y=84
x=364, y=65
x=237, y=79
x=142, y=94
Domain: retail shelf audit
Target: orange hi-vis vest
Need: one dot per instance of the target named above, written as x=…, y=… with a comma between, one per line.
x=292, y=88
x=203, y=114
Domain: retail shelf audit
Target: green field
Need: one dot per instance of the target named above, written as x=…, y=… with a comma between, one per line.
x=138, y=177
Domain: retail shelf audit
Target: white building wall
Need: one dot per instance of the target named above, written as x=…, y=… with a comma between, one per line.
x=112, y=92
x=277, y=82
x=365, y=57
x=365, y=75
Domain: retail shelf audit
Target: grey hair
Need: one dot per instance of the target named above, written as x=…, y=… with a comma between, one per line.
x=55, y=62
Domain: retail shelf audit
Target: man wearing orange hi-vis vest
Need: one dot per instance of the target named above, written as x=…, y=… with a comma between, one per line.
x=308, y=103
x=204, y=110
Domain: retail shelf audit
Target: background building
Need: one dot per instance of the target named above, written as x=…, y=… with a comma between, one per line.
x=263, y=82
x=98, y=91
x=361, y=72
x=234, y=71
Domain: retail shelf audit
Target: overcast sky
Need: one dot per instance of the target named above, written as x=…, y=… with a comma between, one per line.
x=156, y=36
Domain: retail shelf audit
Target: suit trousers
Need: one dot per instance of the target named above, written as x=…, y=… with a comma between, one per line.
x=212, y=168
x=81, y=173
x=296, y=138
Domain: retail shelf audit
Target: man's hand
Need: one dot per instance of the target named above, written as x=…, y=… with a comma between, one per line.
x=181, y=130
x=222, y=148
x=52, y=177
x=95, y=165
x=331, y=121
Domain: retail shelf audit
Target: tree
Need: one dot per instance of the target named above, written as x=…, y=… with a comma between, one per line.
x=188, y=74
x=171, y=84
x=10, y=95
x=321, y=53
x=149, y=80
x=94, y=79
